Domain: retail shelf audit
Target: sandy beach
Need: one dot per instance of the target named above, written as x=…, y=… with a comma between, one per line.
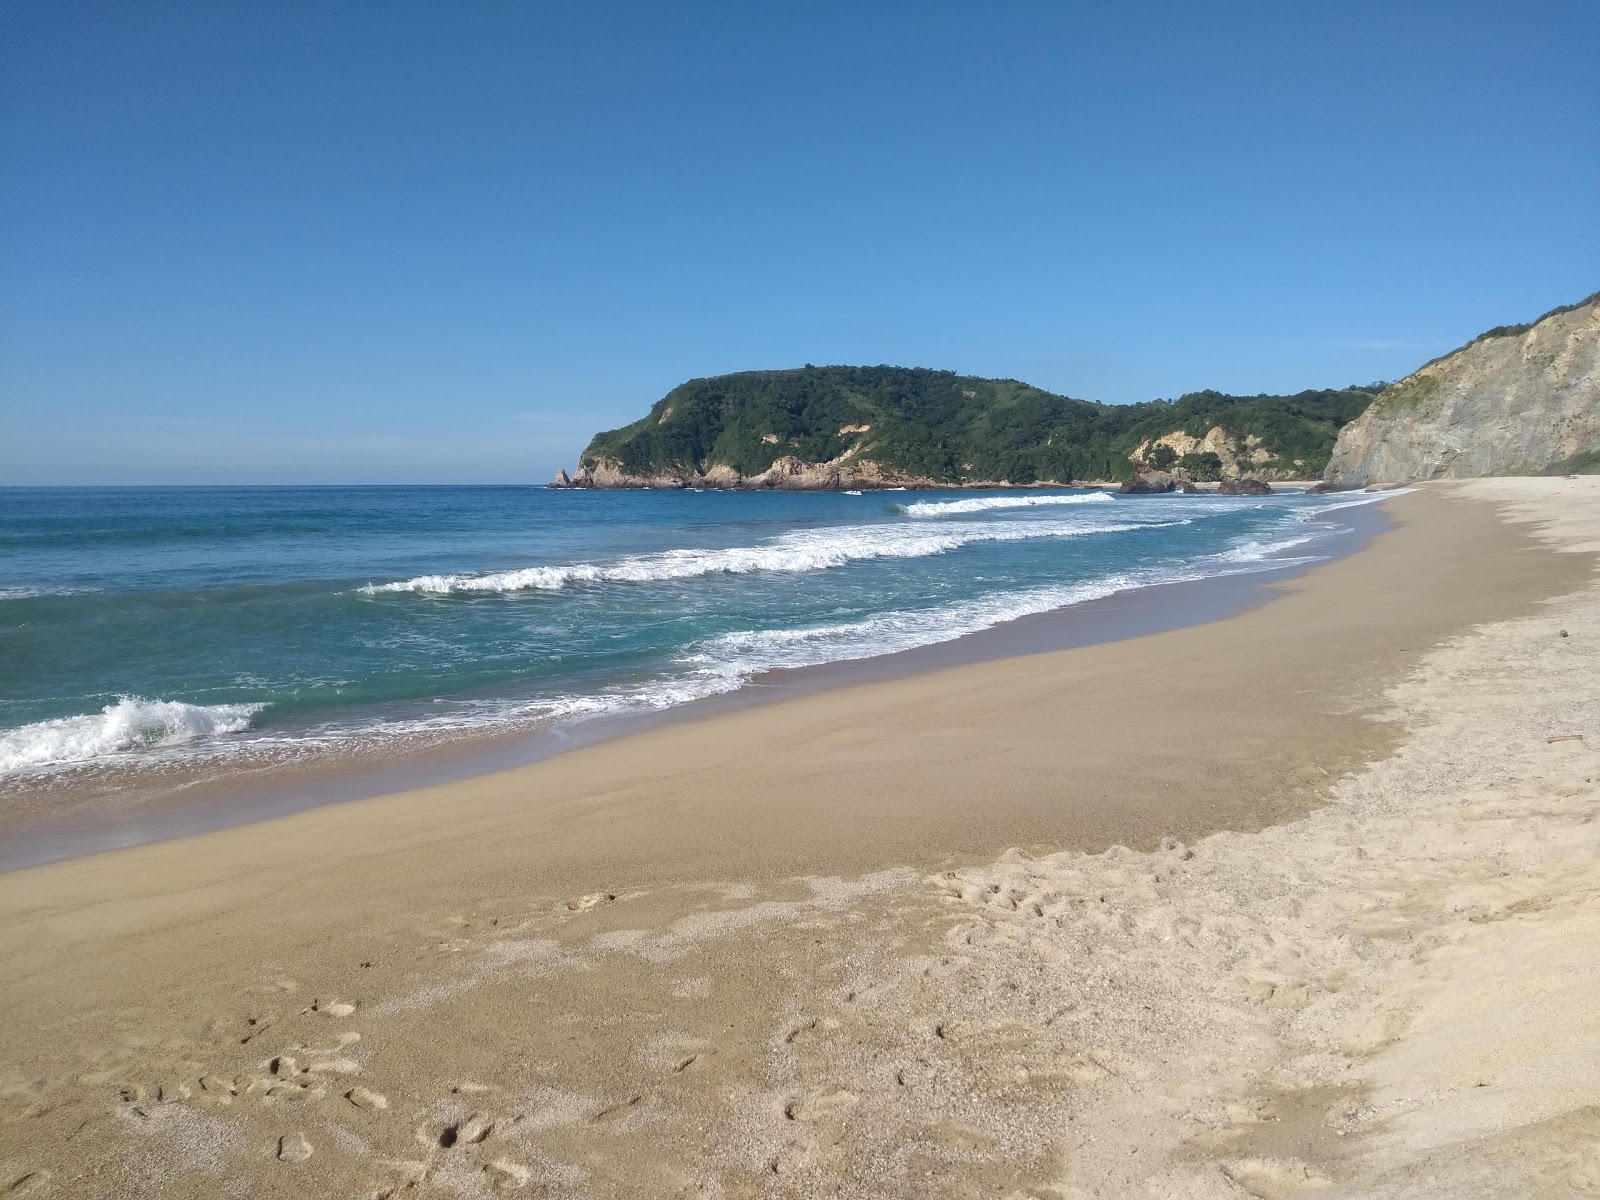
x=1302, y=899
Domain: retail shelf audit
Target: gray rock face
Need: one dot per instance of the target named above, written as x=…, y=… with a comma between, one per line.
x=1244, y=487
x=1508, y=405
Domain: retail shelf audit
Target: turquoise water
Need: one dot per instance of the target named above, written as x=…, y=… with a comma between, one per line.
x=144, y=627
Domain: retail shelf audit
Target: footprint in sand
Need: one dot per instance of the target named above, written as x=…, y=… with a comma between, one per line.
x=216, y=1090
x=29, y=1184
x=363, y=1098
x=273, y=987
x=336, y=1066
x=503, y=1173
x=810, y=1028
x=617, y=1109
x=287, y=1091
x=256, y=1026
x=349, y=1038
x=821, y=1106
x=448, y=1135
x=294, y=1147
x=332, y=1008
x=411, y=1174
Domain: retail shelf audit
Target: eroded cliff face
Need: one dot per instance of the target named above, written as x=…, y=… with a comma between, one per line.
x=1239, y=456
x=1515, y=404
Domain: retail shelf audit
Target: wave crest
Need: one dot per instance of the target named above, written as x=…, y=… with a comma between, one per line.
x=951, y=508
x=132, y=723
x=810, y=550
x=741, y=654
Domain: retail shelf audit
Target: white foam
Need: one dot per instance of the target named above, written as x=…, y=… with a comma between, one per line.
x=738, y=656
x=804, y=550
x=140, y=731
x=731, y=659
x=1253, y=551
x=132, y=723
x=1310, y=514
x=950, y=508
x=32, y=593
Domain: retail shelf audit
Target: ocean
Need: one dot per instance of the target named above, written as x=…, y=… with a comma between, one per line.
x=144, y=629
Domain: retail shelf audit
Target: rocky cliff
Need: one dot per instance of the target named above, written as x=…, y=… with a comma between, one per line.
x=1519, y=400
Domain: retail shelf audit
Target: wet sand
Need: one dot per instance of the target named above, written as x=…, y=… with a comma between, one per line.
x=708, y=958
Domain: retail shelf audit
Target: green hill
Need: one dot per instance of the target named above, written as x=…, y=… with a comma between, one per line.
x=854, y=426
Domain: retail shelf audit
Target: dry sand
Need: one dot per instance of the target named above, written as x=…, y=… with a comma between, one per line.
x=772, y=954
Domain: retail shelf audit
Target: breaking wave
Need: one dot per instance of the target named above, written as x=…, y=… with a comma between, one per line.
x=952, y=508
x=132, y=723
x=737, y=656
x=807, y=550
x=34, y=593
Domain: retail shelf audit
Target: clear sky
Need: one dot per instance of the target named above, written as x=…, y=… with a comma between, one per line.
x=435, y=242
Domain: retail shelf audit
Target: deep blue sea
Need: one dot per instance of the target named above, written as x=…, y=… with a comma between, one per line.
x=144, y=627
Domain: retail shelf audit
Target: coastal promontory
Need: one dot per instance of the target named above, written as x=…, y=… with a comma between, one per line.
x=843, y=427
x=1516, y=400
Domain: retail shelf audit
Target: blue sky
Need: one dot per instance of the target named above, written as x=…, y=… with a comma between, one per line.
x=429, y=242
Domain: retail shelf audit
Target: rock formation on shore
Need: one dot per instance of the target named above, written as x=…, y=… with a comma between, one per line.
x=787, y=473
x=1147, y=482
x=1519, y=400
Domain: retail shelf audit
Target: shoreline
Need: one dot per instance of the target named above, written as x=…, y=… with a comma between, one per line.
x=664, y=483
x=772, y=952
x=131, y=810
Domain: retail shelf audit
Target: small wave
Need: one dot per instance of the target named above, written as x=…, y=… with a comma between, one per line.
x=731, y=659
x=739, y=655
x=810, y=550
x=132, y=723
x=1253, y=551
x=135, y=731
x=1311, y=514
x=950, y=508
x=33, y=593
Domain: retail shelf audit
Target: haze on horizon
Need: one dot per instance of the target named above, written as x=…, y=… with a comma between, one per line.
x=427, y=243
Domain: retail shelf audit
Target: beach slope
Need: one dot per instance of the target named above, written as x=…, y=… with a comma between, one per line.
x=1305, y=899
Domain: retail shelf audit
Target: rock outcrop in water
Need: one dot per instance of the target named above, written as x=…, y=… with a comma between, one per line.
x=1519, y=400
x=1244, y=486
